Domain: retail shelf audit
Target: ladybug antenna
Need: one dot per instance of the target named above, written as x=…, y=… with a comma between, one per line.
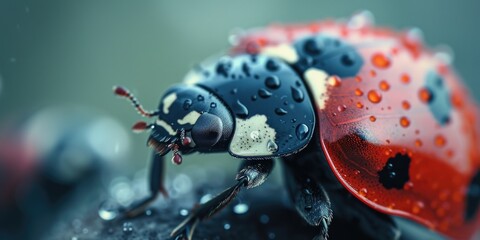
x=123, y=92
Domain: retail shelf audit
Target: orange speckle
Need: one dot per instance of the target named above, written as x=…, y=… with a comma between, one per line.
x=417, y=207
x=418, y=143
x=380, y=60
x=359, y=105
x=363, y=192
x=358, y=92
x=405, y=105
x=405, y=78
x=457, y=100
x=425, y=95
x=358, y=79
x=450, y=153
x=374, y=96
x=384, y=86
x=373, y=73
x=373, y=119
x=440, y=140
x=404, y=122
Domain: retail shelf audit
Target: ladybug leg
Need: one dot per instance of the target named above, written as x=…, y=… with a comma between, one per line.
x=309, y=197
x=251, y=173
x=155, y=186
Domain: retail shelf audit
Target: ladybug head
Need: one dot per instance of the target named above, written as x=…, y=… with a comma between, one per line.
x=188, y=119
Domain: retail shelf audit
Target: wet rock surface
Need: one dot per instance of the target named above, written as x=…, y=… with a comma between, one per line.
x=264, y=212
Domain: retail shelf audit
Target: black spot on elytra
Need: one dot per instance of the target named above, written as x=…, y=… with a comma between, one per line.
x=439, y=102
x=330, y=54
x=473, y=197
x=223, y=67
x=395, y=172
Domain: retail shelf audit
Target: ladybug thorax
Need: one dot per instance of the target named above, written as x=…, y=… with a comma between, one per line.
x=269, y=101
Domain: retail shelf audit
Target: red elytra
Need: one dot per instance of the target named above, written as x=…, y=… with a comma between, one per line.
x=393, y=117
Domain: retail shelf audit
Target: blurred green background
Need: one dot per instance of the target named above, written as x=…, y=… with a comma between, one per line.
x=72, y=52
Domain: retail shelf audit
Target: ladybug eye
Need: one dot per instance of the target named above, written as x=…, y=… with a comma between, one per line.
x=207, y=130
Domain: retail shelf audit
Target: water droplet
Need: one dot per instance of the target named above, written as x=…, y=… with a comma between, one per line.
x=417, y=207
x=302, y=131
x=372, y=118
x=361, y=19
x=363, y=192
x=271, y=65
x=293, y=120
x=240, y=208
x=226, y=226
x=425, y=95
x=380, y=60
x=392, y=174
x=200, y=98
x=405, y=78
x=359, y=105
x=384, y=86
x=404, y=122
x=280, y=111
x=264, y=219
x=148, y=212
x=272, y=146
x=272, y=82
x=374, y=96
x=205, y=198
x=254, y=97
x=415, y=35
x=405, y=105
x=297, y=94
x=271, y=235
x=187, y=104
x=183, y=212
x=440, y=140
x=358, y=92
x=335, y=81
x=263, y=93
x=108, y=210
x=213, y=105
x=182, y=183
x=233, y=91
x=127, y=227
x=240, y=110
x=246, y=69
x=342, y=108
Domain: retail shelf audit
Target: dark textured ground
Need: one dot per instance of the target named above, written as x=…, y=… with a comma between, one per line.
x=269, y=215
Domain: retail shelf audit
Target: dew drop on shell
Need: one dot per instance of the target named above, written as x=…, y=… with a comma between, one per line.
x=272, y=82
x=272, y=146
x=302, y=131
x=297, y=94
x=280, y=111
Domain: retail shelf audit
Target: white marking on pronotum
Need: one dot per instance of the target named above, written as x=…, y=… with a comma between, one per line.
x=168, y=101
x=282, y=51
x=191, y=118
x=251, y=137
x=317, y=82
x=167, y=127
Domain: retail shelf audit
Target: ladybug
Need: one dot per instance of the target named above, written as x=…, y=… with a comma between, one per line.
x=367, y=122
